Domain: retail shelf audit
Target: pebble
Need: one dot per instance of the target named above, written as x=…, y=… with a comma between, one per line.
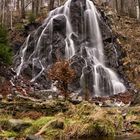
x=50, y=97
x=10, y=97
x=60, y=97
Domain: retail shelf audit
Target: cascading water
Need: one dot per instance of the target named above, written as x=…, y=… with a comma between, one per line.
x=57, y=38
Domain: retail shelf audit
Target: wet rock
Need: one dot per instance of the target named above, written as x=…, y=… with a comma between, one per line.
x=44, y=94
x=61, y=97
x=59, y=23
x=77, y=63
x=10, y=97
x=31, y=27
x=11, y=138
x=111, y=55
x=18, y=125
x=77, y=14
x=2, y=80
x=33, y=137
x=76, y=99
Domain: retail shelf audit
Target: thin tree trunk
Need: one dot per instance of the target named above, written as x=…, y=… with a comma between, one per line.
x=122, y=7
x=3, y=12
x=59, y=2
x=37, y=7
x=17, y=5
x=33, y=6
x=22, y=9
x=116, y=5
x=11, y=21
x=138, y=10
x=51, y=5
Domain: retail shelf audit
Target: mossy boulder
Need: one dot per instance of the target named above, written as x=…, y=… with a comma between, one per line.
x=14, y=124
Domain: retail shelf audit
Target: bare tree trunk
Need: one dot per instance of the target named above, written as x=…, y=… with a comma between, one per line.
x=11, y=19
x=17, y=5
x=116, y=5
x=138, y=10
x=22, y=9
x=59, y=2
x=37, y=7
x=41, y=3
x=122, y=7
x=33, y=6
x=51, y=5
x=3, y=11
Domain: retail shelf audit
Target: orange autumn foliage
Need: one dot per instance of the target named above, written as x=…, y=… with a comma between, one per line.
x=63, y=74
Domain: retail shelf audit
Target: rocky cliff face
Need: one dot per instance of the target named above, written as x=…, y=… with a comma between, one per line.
x=73, y=32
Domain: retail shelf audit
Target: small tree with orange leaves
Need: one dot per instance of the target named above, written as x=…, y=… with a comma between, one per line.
x=63, y=74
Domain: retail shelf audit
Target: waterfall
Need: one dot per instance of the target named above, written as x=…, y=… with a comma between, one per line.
x=95, y=76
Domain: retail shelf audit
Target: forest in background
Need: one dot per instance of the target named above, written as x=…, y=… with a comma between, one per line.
x=12, y=11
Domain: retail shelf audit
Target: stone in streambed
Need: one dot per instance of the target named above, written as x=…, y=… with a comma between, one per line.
x=10, y=97
x=33, y=137
x=2, y=80
x=18, y=125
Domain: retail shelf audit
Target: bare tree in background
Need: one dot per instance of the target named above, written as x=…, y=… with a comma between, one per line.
x=22, y=9
x=51, y=5
x=138, y=10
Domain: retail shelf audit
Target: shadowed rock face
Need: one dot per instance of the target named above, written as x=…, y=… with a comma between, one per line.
x=73, y=32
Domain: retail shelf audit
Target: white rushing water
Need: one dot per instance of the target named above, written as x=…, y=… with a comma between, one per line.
x=104, y=78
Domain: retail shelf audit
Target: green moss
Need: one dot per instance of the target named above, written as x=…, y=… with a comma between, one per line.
x=31, y=17
x=85, y=109
x=4, y=122
x=97, y=129
x=38, y=124
x=54, y=134
x=80, y=121
x=8, y=134
x=5, y=54
x=104, y=129
x=118, y=123
x=134, y=111
x=5, y=51
x=19, y=26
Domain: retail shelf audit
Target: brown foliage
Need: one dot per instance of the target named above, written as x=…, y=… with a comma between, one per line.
x=63, y=74
x=5, y=88
x=30, y=114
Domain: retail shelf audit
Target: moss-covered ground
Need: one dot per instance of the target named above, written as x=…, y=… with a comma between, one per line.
x=84, y=120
